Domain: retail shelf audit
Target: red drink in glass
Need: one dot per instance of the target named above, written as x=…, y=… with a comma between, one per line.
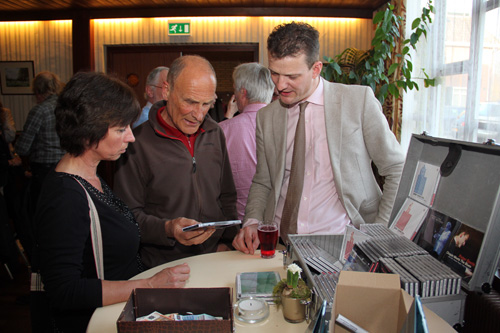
x=268, y=237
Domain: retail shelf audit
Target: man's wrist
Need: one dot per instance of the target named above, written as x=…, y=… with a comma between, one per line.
x=169, y=229
x=250, y=222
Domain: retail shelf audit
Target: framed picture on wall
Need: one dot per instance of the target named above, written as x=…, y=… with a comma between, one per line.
x=16, y=77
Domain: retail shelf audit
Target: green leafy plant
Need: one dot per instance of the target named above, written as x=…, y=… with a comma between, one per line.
x=368, y=68
x=293, y=286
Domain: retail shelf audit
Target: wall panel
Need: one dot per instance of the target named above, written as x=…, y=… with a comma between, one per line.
x=335, y=34
x=47, y=43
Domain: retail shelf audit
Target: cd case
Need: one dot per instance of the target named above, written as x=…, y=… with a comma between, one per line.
x=257, y=284
x=216, y=225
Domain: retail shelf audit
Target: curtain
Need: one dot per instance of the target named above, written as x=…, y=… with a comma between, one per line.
x=462, y=51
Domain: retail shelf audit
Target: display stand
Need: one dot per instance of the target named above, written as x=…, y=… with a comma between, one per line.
x=466, y=194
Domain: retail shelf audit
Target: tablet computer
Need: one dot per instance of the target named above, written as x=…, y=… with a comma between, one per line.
x=216, y=225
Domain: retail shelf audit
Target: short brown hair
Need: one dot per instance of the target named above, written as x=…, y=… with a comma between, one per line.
x=293, y=39
x=89, y=105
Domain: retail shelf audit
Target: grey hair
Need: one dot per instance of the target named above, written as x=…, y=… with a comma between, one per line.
x=152, y=78
x=256, y=80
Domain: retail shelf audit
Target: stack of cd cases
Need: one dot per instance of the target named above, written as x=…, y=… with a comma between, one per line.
x=324, y=267
x=420, y=273
x=318, y=256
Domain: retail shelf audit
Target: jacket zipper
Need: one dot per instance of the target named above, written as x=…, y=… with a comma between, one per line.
x=195, y=180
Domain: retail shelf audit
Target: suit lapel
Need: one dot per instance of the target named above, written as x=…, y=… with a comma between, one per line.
x=333, y=120
x=279, y=125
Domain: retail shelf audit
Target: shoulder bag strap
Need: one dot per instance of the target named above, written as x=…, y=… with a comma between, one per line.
x=95, y=234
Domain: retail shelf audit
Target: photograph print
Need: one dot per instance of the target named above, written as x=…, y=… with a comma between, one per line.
x=463, y=250
x=16, y=77
x=436, y=232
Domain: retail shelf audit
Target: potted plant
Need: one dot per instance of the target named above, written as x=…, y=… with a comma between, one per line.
x=293, y=295
x=369, y=67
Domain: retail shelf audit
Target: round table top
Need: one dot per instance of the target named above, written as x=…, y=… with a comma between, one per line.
x=212, y=270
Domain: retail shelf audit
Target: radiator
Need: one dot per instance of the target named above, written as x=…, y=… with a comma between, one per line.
x=482, y=312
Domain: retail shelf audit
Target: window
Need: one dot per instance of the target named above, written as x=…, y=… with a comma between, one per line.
x=462, y=51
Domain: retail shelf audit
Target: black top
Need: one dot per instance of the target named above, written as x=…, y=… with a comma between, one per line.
x=65, y=254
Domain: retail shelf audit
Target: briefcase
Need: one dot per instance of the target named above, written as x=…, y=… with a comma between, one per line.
x=467, y=194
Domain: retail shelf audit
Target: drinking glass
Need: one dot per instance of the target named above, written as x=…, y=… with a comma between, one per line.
x=268, y=237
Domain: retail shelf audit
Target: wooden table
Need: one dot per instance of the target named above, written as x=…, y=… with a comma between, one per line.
x=219, y=270
x=212, y=270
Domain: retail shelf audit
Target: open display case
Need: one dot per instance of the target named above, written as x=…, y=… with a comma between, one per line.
x=458, y=221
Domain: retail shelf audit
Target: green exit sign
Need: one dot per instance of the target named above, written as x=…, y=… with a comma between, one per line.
x=179, y=28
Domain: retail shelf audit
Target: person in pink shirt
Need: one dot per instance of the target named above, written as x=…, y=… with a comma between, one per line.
x=253, y=89
x=342, y=132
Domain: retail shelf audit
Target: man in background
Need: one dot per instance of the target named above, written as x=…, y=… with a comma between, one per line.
x=253, y=89
x=315, y=147
x=155, y=83
x=39, y=147
x=177, y=172
x=39, y=141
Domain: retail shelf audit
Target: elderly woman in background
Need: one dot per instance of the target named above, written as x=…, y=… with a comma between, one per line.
x=93, y=117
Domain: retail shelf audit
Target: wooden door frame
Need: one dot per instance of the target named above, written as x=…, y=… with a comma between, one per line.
x=227, y=49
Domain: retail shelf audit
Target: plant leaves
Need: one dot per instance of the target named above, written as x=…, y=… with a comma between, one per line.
x=336, y=68
x=416, y=23
x=392, y=68
x=369, y=67
x=378, y=17
x=383, y=90
x=392, y=89
x=413, y=39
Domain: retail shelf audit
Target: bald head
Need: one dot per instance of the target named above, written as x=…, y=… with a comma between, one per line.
x=192, y=64
x=192, y=95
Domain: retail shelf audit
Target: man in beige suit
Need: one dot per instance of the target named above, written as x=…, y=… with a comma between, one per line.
x=345, y=130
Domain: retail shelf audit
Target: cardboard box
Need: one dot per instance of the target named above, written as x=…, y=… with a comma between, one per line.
x=373, y=301
x=216, y=302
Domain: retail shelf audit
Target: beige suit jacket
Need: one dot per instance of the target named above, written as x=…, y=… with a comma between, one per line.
x=357, y=134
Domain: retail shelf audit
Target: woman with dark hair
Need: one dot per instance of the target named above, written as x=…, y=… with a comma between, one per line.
x=93, y=117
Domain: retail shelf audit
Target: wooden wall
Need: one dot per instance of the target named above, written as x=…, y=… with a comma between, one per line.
x=49, y=43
